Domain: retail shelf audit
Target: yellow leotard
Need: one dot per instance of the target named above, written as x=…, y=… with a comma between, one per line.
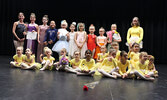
x=51, y=59
x=101, y=56
x=142, y=68
x=18, y=59
x=74, y=62
x=28, y=60
x=135, y=32
x=123, y=67
x=32, y=58
x=84, y=65
x=151, y=69
x=134, y=57
x=108, y=65
x=118, y=54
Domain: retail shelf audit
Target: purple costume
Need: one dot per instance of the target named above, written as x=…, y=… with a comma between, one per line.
x=31, y=44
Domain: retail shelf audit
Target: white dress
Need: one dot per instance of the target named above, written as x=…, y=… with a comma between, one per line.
x=62, y=43
x=72, y=44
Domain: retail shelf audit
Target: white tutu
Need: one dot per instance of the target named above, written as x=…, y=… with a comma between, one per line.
x=135, y=39
x=62, y=43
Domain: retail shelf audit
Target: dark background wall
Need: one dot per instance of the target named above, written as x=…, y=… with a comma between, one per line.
x=101, y=13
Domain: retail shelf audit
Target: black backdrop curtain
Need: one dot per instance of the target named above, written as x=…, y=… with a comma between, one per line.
x=101, y=13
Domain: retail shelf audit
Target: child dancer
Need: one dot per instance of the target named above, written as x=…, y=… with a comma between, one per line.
x=123, y=63
x=50, y=37
x=47, y=61
x=141, y=67
x=91, y=39
x=63, y=60
x=63, y=36
x=19, y=31
x=29, y=61
x=18, y=57
x=115, y=46
x=32, y=27
x=74, y=63
x=41, y=36
x=113, y=35
x=133, y=54
x=101, y=41
x=101, y=56
x=109, y=65
x=80, y=39
x=87, y=65
x=151, y=67
x=72, y=45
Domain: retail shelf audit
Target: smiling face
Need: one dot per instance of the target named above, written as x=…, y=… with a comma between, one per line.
x=144, y=57
x=21, y=16
x=135, y=21
x=92, y=29
x=103, y=49
x=52, y=24
x=113, y=27
x=101, y=31
x=44, y=20
x=81, y=27
x=28, y=52
x=63, y=25
x=124, y=56
x=115, y=46
x=32, y=18
x=72, y=27
x=77, y=54
x=19, y=50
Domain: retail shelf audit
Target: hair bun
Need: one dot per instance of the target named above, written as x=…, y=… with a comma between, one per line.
x=74, y=23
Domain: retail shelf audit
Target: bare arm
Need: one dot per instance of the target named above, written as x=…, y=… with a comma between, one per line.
x=14, y=29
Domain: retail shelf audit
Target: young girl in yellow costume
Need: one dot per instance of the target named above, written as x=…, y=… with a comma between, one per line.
x=133, y=54
x=100, y=57
x=29, y=61
x=87, y=65
x=141, y=67
x=48, y=60
x=18, y=57
x=109, y=65
x=123, y=63
x=115, y=46
x=151, y=67
x=74, y=63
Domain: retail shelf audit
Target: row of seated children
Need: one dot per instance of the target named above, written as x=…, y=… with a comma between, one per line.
x=113, y=64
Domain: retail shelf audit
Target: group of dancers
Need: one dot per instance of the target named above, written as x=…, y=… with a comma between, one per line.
x=79, y=53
